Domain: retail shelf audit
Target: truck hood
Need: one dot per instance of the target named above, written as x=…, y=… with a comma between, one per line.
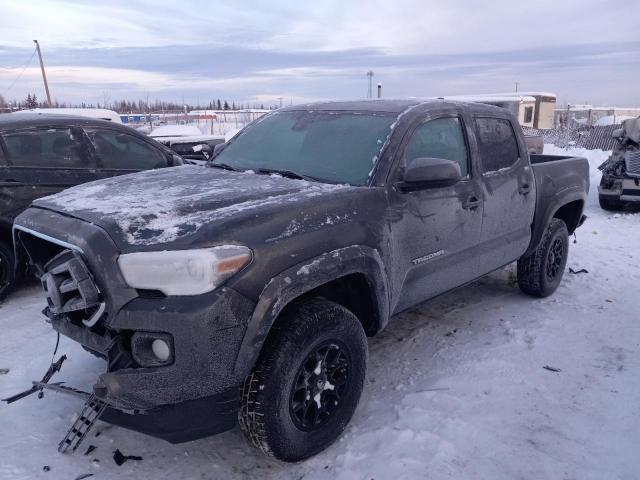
x=158, y=207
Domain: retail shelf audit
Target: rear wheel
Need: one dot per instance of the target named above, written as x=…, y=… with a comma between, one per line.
x=307, y=382
x=7, y=269
x=540, y=273
x=610, y=203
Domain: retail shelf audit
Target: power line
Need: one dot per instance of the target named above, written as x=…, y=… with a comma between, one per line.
x=21, y=73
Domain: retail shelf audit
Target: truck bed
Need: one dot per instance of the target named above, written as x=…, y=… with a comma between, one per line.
x=536, y=158
x=560, y=180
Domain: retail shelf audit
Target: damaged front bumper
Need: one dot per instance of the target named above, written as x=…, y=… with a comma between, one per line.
x=190, y=390
x=625, y=189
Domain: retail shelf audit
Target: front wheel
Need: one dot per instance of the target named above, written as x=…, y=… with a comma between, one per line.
x=307, y=382
x=7, y=269
x=540, y=272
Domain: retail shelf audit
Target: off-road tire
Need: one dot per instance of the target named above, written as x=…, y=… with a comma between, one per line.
x=610, y=204
x=267, y=414
x=533, y=278
x=7, y=269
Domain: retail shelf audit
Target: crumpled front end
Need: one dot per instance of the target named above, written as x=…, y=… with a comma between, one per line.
x=167, y=357
x=621, y=171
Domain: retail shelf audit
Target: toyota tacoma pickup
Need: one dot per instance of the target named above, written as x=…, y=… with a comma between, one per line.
x=244, y=292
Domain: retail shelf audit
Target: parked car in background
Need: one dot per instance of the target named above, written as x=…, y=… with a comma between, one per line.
x=187, y=141
x=620, y=183
x=98, y=113
x=535, y=144
x=41, y=154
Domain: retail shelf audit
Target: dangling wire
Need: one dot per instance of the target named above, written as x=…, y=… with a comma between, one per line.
x=21, y=73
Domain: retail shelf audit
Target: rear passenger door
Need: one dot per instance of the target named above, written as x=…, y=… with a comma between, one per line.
x=509, y=193
x=118, y=152
x=41, y=161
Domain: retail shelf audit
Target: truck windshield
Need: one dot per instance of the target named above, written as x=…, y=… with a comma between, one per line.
x=334, y=147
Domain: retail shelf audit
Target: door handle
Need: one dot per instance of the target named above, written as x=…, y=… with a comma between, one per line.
x=471, y=203
x=11, y=181
x=524, y=189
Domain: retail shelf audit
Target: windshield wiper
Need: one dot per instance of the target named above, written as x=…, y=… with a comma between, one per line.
x=290, y=174
x=224, y=166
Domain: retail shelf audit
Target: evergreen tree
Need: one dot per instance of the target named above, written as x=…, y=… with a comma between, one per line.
x=226, y=105
x=233, y=105
x=32, y=101
x=262, y=106
x=218, y=105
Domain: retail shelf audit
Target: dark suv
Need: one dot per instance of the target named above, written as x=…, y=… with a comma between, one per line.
x=43, y=154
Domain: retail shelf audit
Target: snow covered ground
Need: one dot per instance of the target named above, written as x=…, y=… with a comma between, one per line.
x=456, y=389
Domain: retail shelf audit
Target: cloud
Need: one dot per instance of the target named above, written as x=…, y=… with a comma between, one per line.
x=585, y=49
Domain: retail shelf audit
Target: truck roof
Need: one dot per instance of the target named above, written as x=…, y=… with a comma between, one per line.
x=395, y=106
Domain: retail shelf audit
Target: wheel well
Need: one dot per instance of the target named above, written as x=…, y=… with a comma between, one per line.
x=353, y=292
x=5, y=236
x=570, y=214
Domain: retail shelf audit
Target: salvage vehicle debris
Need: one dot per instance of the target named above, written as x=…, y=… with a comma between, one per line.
x=243, y=292
x=620, y=183
x=119, y=458
x=552, y=369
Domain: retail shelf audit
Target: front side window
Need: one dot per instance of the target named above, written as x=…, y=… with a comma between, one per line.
x=497, y=144
x=336, y=147
x=44, y=148
x=120, y=151
x=439, y=138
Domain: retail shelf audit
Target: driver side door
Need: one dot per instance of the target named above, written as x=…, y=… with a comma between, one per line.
x=435, y=229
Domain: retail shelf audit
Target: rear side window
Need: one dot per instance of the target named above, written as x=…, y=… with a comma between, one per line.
x=3, y=160
x=439, y=138
x=497, y=144
x=118, y=150
x=51, y=147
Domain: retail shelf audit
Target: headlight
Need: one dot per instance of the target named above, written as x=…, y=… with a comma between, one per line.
x=183, y=272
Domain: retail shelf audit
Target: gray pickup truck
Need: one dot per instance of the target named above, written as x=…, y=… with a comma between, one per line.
x=245, y=291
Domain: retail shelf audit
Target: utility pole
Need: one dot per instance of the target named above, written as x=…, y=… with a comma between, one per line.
x=44, y=76
x=280, y=98
x=517, y=83
x=370, y=76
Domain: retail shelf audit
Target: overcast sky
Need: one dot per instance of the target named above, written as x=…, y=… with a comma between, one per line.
x=257, y=51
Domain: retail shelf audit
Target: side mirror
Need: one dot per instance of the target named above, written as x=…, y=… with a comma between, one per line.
x=422, y=173
x=218, y=148
x=176, y=160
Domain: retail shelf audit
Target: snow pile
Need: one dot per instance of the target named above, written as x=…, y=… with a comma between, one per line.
x=175, y=131
x=612, y=120
x=456, y=388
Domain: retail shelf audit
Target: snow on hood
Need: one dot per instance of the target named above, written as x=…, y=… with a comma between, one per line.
x=160, y=206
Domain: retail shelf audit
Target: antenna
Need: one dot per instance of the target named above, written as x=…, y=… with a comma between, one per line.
x=370, y=76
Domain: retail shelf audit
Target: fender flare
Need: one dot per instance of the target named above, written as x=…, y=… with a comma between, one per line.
x=541, y=222
x=304, y=277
